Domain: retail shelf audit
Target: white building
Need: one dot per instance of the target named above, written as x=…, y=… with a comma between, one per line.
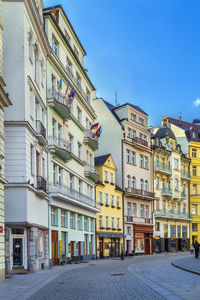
x=26, y=199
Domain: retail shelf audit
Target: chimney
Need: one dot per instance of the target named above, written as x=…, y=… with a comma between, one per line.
x=164, y=121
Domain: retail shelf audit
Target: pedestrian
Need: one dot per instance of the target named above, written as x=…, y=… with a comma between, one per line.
x=191, y=249
x=196, y=248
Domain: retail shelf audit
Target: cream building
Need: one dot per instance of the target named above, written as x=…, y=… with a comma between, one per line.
x=125, y=135
x=26, y=199
x=4, y=102
x=72, y=174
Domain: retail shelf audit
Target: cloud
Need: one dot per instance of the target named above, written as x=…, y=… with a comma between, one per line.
x=197, y=102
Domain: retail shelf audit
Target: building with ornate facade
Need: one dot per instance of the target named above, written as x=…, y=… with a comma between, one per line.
x=171, y=186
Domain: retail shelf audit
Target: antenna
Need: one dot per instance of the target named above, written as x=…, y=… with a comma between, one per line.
x=116, y=102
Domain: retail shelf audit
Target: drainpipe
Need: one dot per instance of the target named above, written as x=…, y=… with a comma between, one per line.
x=122, y=160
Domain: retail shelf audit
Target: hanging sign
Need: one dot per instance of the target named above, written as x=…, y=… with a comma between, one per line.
x=1, y=229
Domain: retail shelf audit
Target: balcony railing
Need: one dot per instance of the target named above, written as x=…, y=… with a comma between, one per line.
x=140, y=141
x=91, y=139
x=183, y=195
x=71, y=193
x=135, y=219
x=61, y=147
x=41, y=183
x=77, y=83
x=61, y=102
x=171, y=213
x=166, y=192
x=140, y=193
x=91, y=172
x=185, y=174
x=40, y=129
x=163, y=169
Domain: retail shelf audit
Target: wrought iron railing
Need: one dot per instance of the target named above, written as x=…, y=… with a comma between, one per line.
x=139, y=192
x=171, y=213
x=40, y=129
x=140, y=141
x=59, y=97
x=41, y=183
x=158, y=167
x=59, y=142
x=137, y=219
x=92, y=136
x=91, y=169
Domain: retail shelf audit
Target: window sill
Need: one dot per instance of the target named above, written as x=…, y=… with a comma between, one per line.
x=106, y=181
x=112, y=183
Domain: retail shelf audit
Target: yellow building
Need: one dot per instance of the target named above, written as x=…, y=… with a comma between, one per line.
x=109, y=223
x=188, y=134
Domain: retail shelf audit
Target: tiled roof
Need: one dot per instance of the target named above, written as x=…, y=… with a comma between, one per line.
x=100, y=160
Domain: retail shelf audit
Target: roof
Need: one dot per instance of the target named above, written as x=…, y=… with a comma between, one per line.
x=118, y=188
x=60, y=7
x=165, y=131
x=100, y=160
x=187, y=127
x=133, y=106
x=111, y=107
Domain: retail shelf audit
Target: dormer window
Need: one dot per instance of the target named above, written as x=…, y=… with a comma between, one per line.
x=194, y=135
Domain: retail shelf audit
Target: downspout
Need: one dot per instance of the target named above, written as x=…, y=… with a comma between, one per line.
x=122, y=160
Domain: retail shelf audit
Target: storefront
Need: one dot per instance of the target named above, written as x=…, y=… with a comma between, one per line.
x=109, y=245
x=143, y=239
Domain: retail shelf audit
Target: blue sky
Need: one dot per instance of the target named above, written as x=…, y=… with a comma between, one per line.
x=146, y=50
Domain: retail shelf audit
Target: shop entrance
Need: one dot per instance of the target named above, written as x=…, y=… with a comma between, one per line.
x=17, y=252
x=179, y=244
x=79, y=251
x=101, y=248
x=147, y=246
x=166, y=245
x=54, y=247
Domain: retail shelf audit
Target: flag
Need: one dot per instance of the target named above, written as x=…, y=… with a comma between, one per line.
x=99, y=131
x=59, y=84
x=72, y=94
x=67, y=88
x=94, y=126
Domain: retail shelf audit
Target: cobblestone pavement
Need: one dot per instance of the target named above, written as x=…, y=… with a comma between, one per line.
x=190, y=264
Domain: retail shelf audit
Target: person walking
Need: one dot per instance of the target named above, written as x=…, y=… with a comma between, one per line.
x=196, y=248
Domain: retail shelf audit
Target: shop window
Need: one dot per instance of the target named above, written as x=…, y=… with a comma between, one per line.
x=17, y=230
x=63, y=238
x=173, y=231
x=139, y=242
x=184, y=232
x=194, y=227
x=166, y=230
x=157, y=226
x=179, y=231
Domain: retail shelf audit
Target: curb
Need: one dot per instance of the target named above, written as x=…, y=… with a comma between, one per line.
x=184, y=269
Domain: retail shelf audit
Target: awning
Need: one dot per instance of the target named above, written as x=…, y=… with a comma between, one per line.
x=111, y=235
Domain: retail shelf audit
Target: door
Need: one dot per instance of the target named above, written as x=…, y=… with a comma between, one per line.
x=147, y=246
x=79, y=251
x=113, y=248
x=54, y=247
x=18, y=252
x=166, y=245
x=101, y=248
x=179, y=244
x=72, y=251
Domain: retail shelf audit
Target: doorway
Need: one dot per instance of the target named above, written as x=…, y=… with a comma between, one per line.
x=101, y=248
x=54, y=247
x=166, y=245
x=72, y=251
x=79, y=251
x=147, y=246
x=180, y=245
x=18, y=252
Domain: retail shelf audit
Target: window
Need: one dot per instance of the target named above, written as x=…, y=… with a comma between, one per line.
x=55, y=45
x=117, y=201
x=141, y=160
x=157, y=226
x=80, y=186
x=157, y=161
x=30, y=40
x=60, y=176
x=112, y=200
x=54, y=217
x=111, y=178
x=78, y=81
x=128, y=229
x=72, y=221
x=194, y=189
x=194, y=209
x=146, y=186
x=184, y=231
x=178, y=207
x=87, y=95
x=129, y=132
x=100, y=222
x=157, y=182
x=133, y=117
x=183, y=169
x=118, y=223
x=172, y=207
x=54, y=174
x=146, y=162
x=134, y=133
x=176, y=184
x=128, y=209
x=86, y=224
x=194, y=171
x=71, y=182
x=127, y=156
x=100, y=198
x=175, y=163
x=63, y=218
x=157, y=204
x=184, y=189
x=76, y=52
x=71, y=143
x=106, y=176
x=106, y=199
x=68, y=66
x=79, y=151
x=141, y=121
x=128, y=181
x=134, y=209
x=141, y=184
x=40, y=243
x=32, y=158
x=107, y=222
x=173, y=231
x=67, y=37
x=194, y=226
x=79, y=115
x=142, y=210
x=112, y=222
x=194, y=153
x=164, y=203
x=43, y=168
x=37, y=66
x=92, y=225
x=79, y=223
x=146, y=211
x=133, y=182
x=194, y=135
x=133, y=156
x=184, y=209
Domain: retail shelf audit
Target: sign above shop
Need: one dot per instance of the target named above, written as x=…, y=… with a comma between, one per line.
x=1, y=229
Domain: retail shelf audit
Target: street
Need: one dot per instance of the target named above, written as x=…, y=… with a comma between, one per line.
x=141, y=277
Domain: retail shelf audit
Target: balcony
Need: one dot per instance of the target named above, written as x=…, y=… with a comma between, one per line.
x=166, y=192
x=41, y=183
x=141, y=194
x=171, y=214
x=162, y=169
x=139, y=141
x=183, y=195
x=73, y=197
x=59, y=102
x=91, y=172
x=185, y=175
x=60, y=147
x=40, y=132
x=91, y=140
x=138, y=220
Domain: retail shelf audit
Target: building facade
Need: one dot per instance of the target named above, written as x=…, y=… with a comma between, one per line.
x=128, y=126
x=26, y=197
x=72, y=175
x=109, y=222
x=188, y=135
x=4, y=102
x=171, y=186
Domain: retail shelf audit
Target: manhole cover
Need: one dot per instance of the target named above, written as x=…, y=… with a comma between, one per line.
x=117, y=274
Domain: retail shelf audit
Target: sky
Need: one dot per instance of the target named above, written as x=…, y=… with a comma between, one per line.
x=148, y=51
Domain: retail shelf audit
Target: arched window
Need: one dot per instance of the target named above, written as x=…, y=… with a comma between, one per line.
x=128, y=180
x=141, y=184
x=133, y=182
x=146, y=185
